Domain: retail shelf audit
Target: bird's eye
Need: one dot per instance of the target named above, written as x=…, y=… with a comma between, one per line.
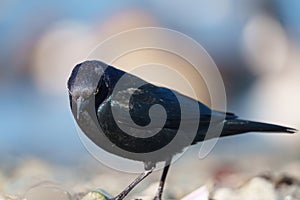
x=96, y=91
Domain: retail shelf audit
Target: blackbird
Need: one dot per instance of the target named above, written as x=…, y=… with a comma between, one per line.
x=113, y=109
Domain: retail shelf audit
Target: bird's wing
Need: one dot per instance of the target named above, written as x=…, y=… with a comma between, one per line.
x=178, y=108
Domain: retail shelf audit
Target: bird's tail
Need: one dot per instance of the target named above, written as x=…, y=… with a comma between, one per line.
x=237, y=126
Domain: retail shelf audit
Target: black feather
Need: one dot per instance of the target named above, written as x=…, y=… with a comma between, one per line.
x=238, y=126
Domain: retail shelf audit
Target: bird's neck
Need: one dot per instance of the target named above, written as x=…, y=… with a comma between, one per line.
x=107, y=83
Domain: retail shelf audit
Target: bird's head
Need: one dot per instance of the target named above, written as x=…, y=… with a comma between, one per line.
x=83, y=83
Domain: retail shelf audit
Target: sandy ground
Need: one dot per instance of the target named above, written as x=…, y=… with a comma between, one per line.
x=215, y=177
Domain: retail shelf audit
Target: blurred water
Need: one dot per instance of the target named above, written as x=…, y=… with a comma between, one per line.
x=37, y=125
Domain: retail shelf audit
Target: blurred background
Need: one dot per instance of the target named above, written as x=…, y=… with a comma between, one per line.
x=255, y=44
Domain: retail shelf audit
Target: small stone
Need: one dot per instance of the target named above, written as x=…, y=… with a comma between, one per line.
x=255, y=188
x=97, y=195
x=47, y=191
x=9, y=197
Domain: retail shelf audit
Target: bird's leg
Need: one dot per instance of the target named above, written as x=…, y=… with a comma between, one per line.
x=132, y=185
x=162, y=180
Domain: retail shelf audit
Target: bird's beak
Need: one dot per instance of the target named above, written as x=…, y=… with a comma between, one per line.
x=81, y=104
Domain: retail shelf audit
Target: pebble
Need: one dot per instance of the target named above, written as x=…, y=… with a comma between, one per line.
x=97, y=195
